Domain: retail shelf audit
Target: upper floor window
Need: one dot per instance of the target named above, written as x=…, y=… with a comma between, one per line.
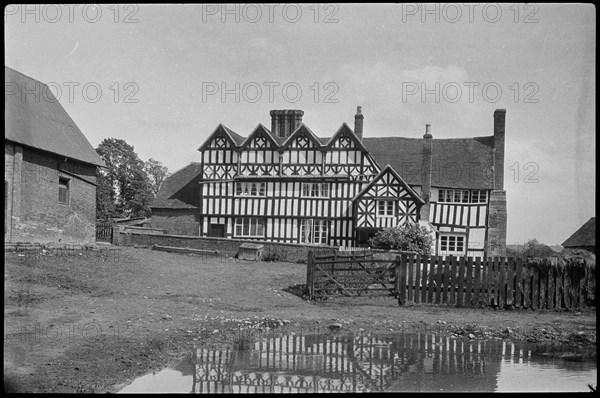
x=462, y=196
x=63, y=190
x=315, y=190
x=250, y=188
x=385, y=208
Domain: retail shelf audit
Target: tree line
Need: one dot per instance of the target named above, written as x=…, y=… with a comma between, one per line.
x=128, y=185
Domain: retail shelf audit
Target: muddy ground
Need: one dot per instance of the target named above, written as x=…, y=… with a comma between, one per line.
x=92, y=320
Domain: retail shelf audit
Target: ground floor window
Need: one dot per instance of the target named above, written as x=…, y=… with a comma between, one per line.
x=314, y=231
x=250, y=227
x=452, y=245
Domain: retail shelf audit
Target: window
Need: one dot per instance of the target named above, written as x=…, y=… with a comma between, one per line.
x=63, y=190
x=250, y=227
x=462, y=196
x=385, y=208
x=452, y=244
x=314, y=231
x=250, y=188
x=315, y=190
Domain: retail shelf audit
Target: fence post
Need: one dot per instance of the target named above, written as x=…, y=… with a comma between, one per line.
x=310, y=270
x=400, y=278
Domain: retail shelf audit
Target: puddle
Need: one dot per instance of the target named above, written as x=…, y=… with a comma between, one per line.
x=369, y=363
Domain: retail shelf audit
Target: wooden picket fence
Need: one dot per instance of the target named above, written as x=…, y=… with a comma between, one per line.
x=458, y=281
x=104, y=232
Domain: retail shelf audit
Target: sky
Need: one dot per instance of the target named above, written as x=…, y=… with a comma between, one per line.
x=162, y=77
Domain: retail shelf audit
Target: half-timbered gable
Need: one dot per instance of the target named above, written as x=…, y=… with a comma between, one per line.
x=386, y=202
x=259, y=154
x=302, y=154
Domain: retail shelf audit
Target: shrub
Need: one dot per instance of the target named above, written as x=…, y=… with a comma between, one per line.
x=409, y=237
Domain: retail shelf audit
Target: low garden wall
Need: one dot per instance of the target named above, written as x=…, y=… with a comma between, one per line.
x=272, y=251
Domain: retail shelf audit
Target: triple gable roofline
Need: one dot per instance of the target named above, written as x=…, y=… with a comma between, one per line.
x=240, y=143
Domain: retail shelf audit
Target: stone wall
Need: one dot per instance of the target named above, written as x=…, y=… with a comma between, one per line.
x=271, y=251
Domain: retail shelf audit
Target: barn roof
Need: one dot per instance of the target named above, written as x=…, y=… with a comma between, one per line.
x=180, y=190
x=456, y=162
x=584, y=236
x=36, y=119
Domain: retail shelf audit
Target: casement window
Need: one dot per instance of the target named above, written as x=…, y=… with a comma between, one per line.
x=385, y=208
x=452, y=244
x=462, y=196
x=248, y=227
x=63, y=190
x=250, y=188
x=314, y=231
x=315, y=190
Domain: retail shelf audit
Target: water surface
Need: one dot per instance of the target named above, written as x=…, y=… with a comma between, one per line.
x=369, y=363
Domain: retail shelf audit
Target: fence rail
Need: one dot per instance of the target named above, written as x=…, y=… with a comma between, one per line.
x=457, y=281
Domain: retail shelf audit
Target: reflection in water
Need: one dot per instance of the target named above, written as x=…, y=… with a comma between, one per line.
x=362, y=363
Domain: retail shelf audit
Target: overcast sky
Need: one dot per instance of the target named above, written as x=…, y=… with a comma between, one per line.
x=162, y=77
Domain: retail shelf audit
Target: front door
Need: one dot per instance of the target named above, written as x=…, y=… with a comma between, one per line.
x=216, y=230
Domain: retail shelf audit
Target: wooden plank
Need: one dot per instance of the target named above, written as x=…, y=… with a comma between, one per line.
x=310, y=281
x=438, y=279
x=477, y=283
x=452, y=281
x=519, y=283
x=359, y=270
x=461, y=281
x=430, y=287
x=558, y=286
x=535, y=290
x=550, y=291
x=446, y=278
x=485, y=301
x=409, y=282
x=502, y=287
x=543, y=277
x=397, y=266
x=527, y=276
x=469, y=283
x=510, y=283
x=349, y=260
x=402, y=281
x=424, y=270
x=567, y=290
x=417, y=280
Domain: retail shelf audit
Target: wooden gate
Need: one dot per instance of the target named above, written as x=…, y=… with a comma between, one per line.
x=352, y=275
x=104, y=232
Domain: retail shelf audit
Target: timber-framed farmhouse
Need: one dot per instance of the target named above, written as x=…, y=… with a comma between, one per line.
x=287, y=184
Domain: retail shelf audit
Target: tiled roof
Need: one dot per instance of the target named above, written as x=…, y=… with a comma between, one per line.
x=180, y=190
x=584, y=236
x=36, y=119
x=456, y=162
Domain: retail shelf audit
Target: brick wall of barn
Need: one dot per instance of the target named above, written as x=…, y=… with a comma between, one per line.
x=177, y=221
x=35, y=214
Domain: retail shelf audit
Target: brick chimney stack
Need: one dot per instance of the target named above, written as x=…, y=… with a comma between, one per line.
x=358, y=123
x=285, y=121
x=426, y=167
x=499, y=125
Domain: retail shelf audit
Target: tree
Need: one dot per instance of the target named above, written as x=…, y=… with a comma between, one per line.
x=535, y=249
x=124, y=186
x=409, y=237
x=156, y=173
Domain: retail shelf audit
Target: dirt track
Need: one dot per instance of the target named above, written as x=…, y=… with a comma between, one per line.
x=93, y=321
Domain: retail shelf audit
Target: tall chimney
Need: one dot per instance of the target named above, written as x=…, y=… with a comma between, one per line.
x=499, y=124
x=358, y=123
x=285, y=121
x=426, y=166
